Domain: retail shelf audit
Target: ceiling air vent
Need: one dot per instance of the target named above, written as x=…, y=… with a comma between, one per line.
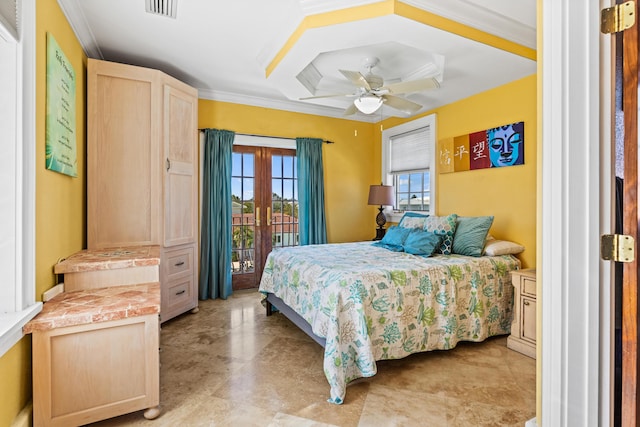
x=162, y=7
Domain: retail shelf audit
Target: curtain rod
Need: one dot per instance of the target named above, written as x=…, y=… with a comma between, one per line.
x=270, y=136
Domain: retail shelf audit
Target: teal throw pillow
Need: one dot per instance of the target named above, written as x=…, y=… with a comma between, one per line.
x=394, y=238
x=470, y=235
x=420, y=242
x=444, y=226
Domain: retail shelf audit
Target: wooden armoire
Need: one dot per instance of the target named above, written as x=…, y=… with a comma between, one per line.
x=142, y=172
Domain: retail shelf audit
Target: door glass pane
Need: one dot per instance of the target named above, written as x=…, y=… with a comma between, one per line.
x=276, y=166
x=284, y=226
x=247, y=164
x=242, y=212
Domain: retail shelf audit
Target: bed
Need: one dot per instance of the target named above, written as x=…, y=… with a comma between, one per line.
x=365, y=303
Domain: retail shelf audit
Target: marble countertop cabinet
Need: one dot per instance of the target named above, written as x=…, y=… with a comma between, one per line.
x=97, y=305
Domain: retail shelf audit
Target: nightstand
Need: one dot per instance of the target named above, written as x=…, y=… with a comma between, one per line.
x=523, y=327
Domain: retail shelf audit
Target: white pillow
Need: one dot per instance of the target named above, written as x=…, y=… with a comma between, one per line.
x=502, y=247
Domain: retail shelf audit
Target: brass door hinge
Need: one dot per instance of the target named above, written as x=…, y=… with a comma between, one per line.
x=617, y=247
x=618, y=18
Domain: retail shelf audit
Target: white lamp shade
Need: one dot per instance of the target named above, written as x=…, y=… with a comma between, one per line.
x=368, y=104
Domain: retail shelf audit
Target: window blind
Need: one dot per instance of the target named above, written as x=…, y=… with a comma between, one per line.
x=410, y=151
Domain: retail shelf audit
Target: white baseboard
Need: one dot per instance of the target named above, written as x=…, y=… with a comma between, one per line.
x=531, y=423
x=25, y=417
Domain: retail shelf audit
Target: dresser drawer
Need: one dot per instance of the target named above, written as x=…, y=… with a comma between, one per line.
x=178, y=282
x=178, y=262
x=178, y=293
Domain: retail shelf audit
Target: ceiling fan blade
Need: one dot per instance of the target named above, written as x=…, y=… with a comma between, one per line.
x=351, y=110
x=401, y=104
x=326, y=96
x=413, y=86
x=356, y=78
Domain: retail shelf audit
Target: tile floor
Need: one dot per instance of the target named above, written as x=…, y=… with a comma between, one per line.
x=230, y=365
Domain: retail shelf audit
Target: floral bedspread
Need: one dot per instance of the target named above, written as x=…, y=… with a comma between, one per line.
x=372, y=304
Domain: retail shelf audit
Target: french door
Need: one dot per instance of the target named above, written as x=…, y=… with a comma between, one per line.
x=627, y=395
x=264, y=200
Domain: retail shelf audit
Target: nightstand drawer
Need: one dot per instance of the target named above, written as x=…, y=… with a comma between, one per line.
x=529, y=286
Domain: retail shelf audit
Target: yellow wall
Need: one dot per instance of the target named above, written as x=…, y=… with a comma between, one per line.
x=350, y=164
x=509, y=194
x=60, y=201
x=15, y=381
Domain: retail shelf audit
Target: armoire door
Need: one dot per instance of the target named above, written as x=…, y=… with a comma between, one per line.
x=264, y=209
x=123, y=152
x=180, y=194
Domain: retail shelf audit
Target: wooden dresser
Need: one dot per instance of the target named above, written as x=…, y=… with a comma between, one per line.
x=523, y=327
x=142, y=172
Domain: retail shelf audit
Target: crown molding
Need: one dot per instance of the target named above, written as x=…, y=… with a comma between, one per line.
x=78, y=22
x=292, y=106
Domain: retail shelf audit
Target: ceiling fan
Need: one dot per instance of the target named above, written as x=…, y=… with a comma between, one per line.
x=371, y=92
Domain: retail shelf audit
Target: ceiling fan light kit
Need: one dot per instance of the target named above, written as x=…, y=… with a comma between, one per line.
x=368, y=104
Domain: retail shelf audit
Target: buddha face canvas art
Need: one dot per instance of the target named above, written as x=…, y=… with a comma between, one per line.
x=506, y=145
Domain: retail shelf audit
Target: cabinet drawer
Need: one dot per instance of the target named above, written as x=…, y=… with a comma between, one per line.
x=529, y=286
x=178, y=293
x=178, y=262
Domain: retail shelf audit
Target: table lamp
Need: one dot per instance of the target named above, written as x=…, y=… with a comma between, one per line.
x=381, y=195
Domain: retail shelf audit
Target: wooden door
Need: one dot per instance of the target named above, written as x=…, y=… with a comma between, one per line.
x=264, y=209
x=629, y=305
x=180, y=145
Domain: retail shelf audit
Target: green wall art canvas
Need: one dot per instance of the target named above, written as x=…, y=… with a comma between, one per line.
x=61, y=112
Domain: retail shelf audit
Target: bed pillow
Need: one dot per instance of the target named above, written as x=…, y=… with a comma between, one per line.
x=444, y=226
x=421, y=242
x=502, y=247
x=394, y=238
x=470, y=235
x=413, y=220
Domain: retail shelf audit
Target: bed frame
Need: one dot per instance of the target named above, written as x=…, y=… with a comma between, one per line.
x=274, y=301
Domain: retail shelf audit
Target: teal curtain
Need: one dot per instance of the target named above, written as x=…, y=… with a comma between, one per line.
x=312, y=225
x=215, y=239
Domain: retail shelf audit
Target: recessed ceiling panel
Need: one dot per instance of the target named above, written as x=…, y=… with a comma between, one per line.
x=406, y=49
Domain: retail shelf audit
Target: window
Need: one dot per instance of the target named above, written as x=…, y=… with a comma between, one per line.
x=408, y=163
x=17, y=178
x=412, y=190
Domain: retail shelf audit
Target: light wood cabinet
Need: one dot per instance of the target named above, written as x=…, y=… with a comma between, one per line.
x=95, y=371
x=523, y=327
x=142, y=179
